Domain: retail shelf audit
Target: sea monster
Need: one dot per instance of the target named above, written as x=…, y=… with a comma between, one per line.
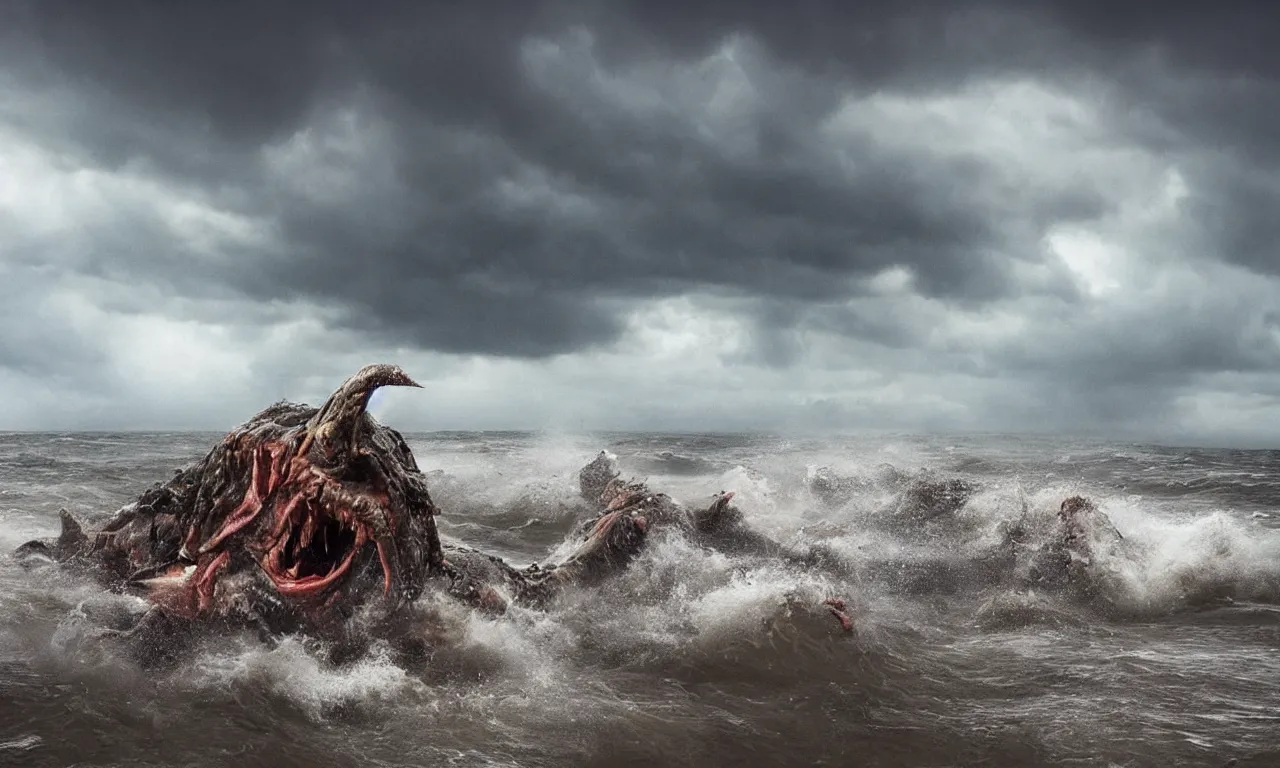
x=302, y=516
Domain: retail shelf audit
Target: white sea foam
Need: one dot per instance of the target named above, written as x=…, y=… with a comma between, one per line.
x=1176, y=563
x=296, y=672
x=689, y=644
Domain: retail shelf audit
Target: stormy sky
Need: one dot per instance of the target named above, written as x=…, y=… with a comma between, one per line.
x=973, y=216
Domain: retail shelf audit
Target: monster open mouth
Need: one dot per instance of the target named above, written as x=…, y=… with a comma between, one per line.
x=314, y=550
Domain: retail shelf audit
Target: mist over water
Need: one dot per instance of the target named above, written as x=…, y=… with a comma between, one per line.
x=695, y=657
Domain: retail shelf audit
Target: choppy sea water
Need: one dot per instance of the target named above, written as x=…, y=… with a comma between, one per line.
x=692, y=657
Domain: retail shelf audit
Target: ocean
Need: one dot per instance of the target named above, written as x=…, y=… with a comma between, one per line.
x=692, y=657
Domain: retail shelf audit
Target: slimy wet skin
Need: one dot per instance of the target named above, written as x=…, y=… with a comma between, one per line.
x=302, y=516
x=291, y=521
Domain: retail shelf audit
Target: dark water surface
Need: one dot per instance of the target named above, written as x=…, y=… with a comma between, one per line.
x=695, y=658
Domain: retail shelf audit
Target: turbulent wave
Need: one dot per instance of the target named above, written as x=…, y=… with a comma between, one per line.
x=692, y=655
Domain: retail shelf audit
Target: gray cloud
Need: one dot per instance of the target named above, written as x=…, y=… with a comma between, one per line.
x=1058, y=200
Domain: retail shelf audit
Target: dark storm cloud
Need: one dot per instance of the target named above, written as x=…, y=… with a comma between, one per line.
x=1203, y=80
x=200, y=90
x=516, y=179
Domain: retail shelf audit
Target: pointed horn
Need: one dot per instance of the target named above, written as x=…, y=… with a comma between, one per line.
x=336, y=426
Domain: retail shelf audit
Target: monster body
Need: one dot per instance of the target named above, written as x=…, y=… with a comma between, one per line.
x=302, y=516
x=292, y=520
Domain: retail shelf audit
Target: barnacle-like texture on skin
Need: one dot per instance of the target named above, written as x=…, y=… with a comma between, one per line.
x=293, y=519
x=301, y=516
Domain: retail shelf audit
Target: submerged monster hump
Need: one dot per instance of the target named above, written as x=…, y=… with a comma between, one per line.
x=293, y=511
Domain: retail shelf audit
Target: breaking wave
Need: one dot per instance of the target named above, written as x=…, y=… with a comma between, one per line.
x=692, y=655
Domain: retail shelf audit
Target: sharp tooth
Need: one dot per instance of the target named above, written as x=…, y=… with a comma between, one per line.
x=308, y=532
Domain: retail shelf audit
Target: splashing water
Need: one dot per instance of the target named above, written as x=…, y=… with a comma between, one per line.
x=697, y=657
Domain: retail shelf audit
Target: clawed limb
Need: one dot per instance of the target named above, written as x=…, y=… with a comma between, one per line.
x=301, y=517
x=628, y=513
x=837, y=608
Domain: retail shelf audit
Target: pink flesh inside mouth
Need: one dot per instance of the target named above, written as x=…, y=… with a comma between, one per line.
x=314, y=550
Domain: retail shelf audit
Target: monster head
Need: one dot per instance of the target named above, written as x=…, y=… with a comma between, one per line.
x=299, y=509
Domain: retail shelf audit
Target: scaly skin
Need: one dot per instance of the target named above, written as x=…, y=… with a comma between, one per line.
x=293, y=520
x=301, y=516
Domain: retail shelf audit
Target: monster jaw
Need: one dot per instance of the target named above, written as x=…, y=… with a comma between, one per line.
x=313, y=548
x=303, y=562
x=319, y=527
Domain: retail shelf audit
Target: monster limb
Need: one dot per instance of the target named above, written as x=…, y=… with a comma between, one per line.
x=720, y=526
